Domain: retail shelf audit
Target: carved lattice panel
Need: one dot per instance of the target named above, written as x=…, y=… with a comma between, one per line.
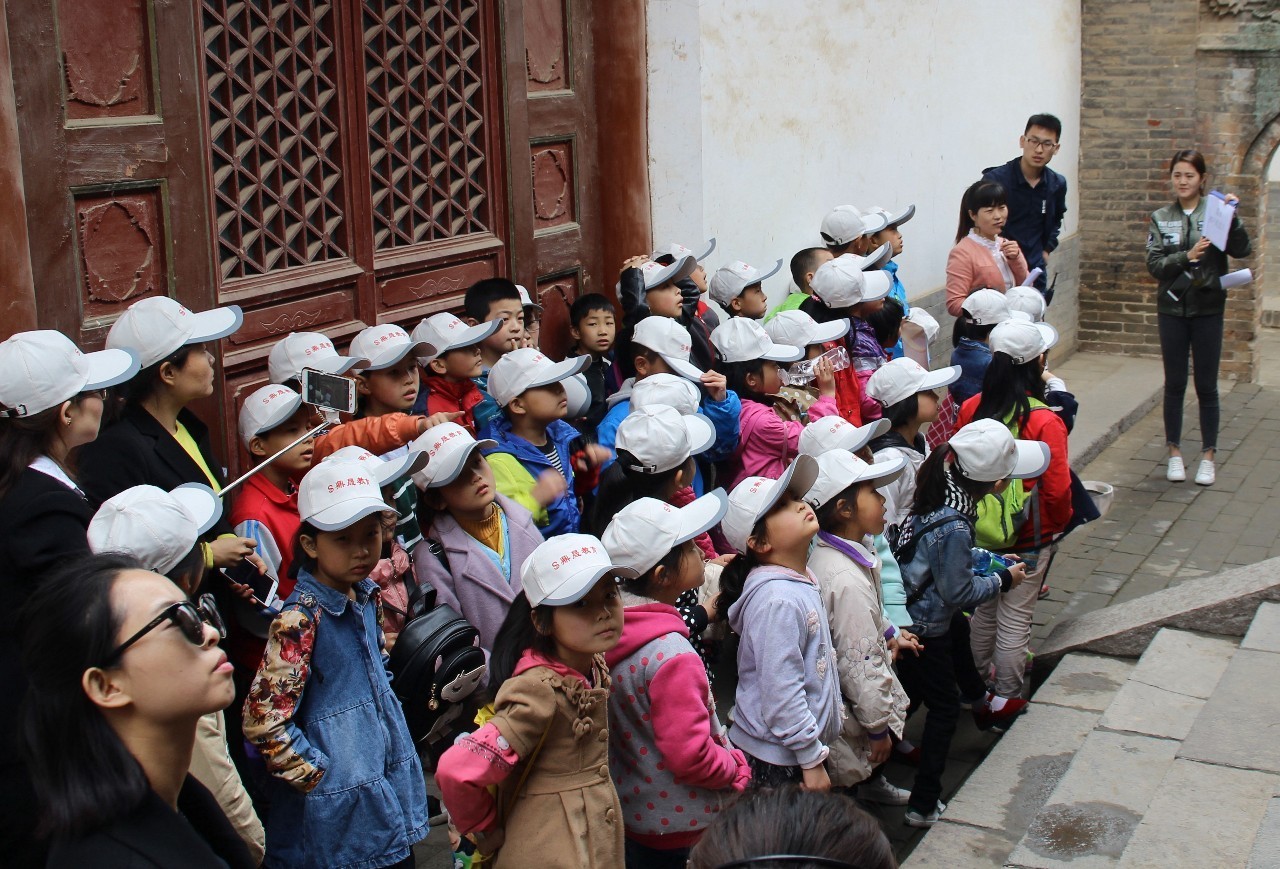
x=271, y=71
x=424, y=65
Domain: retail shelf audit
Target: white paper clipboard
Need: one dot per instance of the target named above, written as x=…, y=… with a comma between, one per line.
x=1218, y=214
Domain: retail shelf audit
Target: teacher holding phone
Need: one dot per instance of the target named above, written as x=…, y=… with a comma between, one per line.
x=1190, y=302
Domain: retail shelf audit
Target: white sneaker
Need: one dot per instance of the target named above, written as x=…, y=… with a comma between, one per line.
x=1177, y=471
x=915, y=819
x=1206, y=475
x=881, y=790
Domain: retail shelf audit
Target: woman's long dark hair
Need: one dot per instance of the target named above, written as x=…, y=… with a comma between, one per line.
x=789, y=820
x=23, y=439
x=1007, y=389
x=620, y=486
x=931, y=482
x=84, y=776
x=517, y=634
x=734, y=576
x=980, y=194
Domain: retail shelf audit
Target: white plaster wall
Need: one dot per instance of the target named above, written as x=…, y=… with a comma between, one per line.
x=764, y=115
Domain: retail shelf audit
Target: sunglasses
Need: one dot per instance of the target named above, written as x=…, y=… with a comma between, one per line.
x=188, y=617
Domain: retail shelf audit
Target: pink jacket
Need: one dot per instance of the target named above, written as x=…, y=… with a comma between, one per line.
x=766, y=442
x=670, y=758
x=970, y=267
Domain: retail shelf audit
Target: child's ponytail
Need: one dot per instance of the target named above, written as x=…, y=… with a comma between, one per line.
x=525, y=627
x=931, y=481
x=734, y=576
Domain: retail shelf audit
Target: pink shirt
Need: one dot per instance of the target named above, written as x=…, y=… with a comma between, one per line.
x=766, y=442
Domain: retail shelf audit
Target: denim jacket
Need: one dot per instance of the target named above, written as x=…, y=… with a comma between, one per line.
x=347, y=789
x=960, y=580
x=973, y=357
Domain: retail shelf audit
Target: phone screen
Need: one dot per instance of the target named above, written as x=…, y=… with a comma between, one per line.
x=329, y=391
x=263, y=585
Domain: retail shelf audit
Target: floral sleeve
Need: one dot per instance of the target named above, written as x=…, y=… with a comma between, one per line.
x=274, y=696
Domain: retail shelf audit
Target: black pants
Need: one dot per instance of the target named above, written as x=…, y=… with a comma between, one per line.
x=643, y=857
x=930, y=678
x=769, y=775
x=1201, y=338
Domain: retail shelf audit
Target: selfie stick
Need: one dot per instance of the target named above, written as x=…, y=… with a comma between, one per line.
x=330, y=419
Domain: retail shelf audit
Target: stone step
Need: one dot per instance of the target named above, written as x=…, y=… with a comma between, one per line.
x=985, y=820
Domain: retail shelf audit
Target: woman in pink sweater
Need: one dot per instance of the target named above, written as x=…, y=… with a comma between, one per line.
x=981, y=258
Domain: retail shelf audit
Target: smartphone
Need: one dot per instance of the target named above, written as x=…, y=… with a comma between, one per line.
x=328, y=391
x=264, y=586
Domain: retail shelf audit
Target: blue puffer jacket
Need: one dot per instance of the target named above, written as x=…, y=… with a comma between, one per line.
x=959, y=580
x=973, y=357
x=563, y=514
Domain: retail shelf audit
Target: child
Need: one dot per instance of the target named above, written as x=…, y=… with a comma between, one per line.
x=850, y=510
x=767, y=443
x=668, y=753
x=546, y=746
x=843, y=284
x=803, y=265
x=892, y=235
x=944, y=574
x=662, y=346
x=321, y=711
x=798, y=329
x=981, y=311
x=738, y=289
x=845, y=229
x=493, y=300
x=485, y=537
x=538, y=456
x=886, y=325
x=449, y=375
x=663, y=288
x=787, y=710
x=532, y=319
x=593, y=325
x=299, y=350
x=907, y=393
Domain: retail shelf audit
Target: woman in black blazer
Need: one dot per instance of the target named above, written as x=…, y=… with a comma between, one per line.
x=51, y=398
x=157, y=441
x=111, y=731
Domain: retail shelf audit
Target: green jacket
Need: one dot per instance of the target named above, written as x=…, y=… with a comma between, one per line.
x=1172, y=234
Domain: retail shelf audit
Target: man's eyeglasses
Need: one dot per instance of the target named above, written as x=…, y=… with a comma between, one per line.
x=190, y=619
x=1040, y=144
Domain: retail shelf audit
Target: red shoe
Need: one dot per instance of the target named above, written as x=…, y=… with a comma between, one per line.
x=1000, y=721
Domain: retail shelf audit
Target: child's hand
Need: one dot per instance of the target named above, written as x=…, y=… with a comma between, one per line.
x=1017, y=573
x=244, y=592
x=723, y=559
x=909, y=641
x=426, y=422
x=229, y=551
x=596, y=455
x=880, y=749
x=715, y=384
x=1009, y=248
x=635, y=262
x=816, y=779
x=824, y=375
x=389, y=641
x=712, y=606
x=550, y=486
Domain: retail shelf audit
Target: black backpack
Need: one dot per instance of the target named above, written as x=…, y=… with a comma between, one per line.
x=437, y=662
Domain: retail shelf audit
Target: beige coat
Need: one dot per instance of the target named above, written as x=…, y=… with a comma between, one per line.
x=566, y=813
x=873, y=696
x=212, y=767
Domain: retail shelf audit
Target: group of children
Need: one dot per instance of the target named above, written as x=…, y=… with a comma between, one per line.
x=681, y=488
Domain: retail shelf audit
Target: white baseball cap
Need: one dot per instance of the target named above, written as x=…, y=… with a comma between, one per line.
x=675, y=250
x=843, y=281
x=987, y=452
x=752, y=498
x=387, y=471
x=385, y=345
x=893, y=218
x=449, y=447
x=656, y=274
x=578, y=391
x=565, y=568
x=156, y=527
x=157, y=327
x=445, y=332
x=527, y=368
x=800, y=330
x=646, y=530
x=739, y=339
x=299, y=350
x=918, y=329
x=669, y=340
x=266, y=408
x=840, y=469
x=1022, y=340
x=985, y=307
x=729, y=281
x=660, y=438
x=1026, y=300
x=41, y=369
x=526, y=300
x=901, y=378
x=667, y=389
x=336, y=494
x=844, y=223
x=837, y=433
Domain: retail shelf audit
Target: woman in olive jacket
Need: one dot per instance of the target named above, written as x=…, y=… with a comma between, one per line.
x=1190, y=303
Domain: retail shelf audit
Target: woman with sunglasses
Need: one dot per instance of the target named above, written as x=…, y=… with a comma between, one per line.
x=127, y=666
x=50, y=404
